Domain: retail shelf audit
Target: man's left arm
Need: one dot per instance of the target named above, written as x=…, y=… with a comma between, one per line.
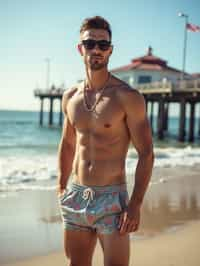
x=141, y=137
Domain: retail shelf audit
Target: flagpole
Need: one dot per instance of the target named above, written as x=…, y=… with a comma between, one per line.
x=185, y=44
x=48, y=73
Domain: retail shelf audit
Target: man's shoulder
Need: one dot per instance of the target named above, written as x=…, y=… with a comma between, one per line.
x=127, y=94
x=130, y=98
x=70, y=92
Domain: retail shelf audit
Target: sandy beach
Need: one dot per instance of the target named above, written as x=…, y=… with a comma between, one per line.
x=180, y=248
x=31, y=229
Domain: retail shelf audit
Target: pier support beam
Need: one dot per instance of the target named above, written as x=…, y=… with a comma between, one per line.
x=151, y=117
x=60, y=114
x=146, y=105
x=181, y=136
x=191, y=127
x=51, y=112
x=160, y=121
x=166, y=111
x=41, y=110
x=199, y=123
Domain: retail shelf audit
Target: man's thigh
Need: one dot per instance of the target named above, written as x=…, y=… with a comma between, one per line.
x=79, y=246
x=116, y=248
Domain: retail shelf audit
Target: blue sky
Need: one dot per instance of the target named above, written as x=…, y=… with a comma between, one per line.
x=34, y=30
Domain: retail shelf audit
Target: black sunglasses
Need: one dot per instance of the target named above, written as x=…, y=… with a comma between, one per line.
x=102, y=44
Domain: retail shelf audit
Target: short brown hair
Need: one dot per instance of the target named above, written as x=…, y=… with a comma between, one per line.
x=96, y=22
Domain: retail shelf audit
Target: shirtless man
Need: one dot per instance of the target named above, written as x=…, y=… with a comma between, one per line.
x=102, y=116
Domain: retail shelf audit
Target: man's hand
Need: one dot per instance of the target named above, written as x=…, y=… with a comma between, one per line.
x=60, y=192
x=129, y=220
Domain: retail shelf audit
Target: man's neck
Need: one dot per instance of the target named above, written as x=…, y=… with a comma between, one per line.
x=96, y=79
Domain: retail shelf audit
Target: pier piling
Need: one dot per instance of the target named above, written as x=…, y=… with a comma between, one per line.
x=41, y=110
x=181, y=136
x=160, y=119
x=51, y=112
x=191, y=123
x=151, y=116
x=60, y=115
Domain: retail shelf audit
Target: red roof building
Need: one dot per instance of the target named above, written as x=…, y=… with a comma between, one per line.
x=195, y=75
x=145, y=69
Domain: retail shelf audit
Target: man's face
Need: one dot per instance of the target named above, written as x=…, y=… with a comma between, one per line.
x=95, y=58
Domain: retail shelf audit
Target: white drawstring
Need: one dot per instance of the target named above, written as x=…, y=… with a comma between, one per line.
x=88, y=193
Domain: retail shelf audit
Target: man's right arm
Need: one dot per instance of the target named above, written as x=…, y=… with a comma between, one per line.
x=66, y=148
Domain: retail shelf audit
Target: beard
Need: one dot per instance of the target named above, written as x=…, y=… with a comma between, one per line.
x=97, y=63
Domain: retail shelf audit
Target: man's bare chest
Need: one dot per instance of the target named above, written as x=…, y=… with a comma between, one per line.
x=106, y=114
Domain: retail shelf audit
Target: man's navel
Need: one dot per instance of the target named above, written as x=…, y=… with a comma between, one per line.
x=107, y=125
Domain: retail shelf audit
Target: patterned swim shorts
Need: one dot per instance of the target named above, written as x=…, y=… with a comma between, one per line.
x=93, y=208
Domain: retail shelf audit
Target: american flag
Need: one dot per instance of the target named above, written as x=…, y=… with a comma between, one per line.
x=192, y=27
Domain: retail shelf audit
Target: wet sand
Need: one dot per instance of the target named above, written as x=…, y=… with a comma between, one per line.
x=31, y=230
x=178, y=249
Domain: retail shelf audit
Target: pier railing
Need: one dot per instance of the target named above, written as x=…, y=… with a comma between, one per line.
x=147, y=88
x=187, y=85
x=49, y=92
x=169, y=86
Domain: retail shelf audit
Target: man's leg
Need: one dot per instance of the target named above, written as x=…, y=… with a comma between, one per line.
x=116, y=249
x=79, y=246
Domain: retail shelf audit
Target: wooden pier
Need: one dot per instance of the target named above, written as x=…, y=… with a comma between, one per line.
x=162, y=93
x=50, y=94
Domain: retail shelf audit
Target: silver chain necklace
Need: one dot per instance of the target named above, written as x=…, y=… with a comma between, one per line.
x=91, y=109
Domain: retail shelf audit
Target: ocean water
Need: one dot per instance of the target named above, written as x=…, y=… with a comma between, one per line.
x=28, y=152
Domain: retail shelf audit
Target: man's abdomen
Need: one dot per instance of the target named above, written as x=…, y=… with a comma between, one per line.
x=100, y=173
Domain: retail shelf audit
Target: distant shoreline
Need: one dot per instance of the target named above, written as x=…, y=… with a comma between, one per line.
x=57, y=111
